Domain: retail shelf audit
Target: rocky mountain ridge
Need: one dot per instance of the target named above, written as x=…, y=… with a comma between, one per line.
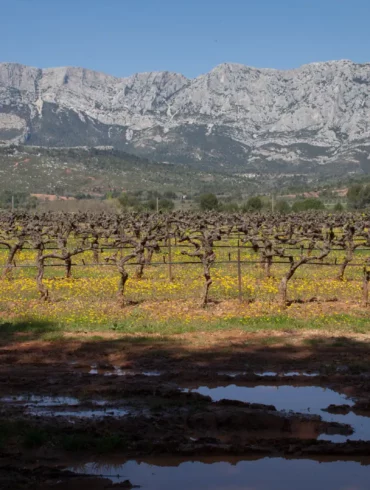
x=234, y=117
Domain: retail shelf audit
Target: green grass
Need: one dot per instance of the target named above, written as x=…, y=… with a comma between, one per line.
x=334, y=323
x=53, y=336
x=28, y=328
x=313, y=342
x=49, y=331
x=271, y=340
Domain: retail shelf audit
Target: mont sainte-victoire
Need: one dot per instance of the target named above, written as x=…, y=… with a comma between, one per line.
x=232, y=117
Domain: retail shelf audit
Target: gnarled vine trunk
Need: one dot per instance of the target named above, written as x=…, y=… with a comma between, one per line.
x=365, y=287
x=283, y=291
x=68, y=267
x=207, y=277
x=140, y=268
x=343, y=266
x=122, y=282
x=10, y=263
x=44, y=293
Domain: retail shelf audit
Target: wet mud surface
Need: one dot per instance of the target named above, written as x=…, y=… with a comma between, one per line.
x=89, y=423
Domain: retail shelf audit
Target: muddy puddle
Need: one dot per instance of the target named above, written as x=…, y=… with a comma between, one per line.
x=313, y=400
x=288, y=374
x=269, y=374
x=94, y=369
x=41, y=401
x=263, y=474
x=81, y=413
x=59, y=406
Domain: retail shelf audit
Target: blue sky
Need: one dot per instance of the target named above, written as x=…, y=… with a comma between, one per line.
x=122, y=37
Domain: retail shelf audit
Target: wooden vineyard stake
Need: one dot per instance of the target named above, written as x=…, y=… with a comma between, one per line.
x=239, y=274
x=170, y=277
x=365, y=287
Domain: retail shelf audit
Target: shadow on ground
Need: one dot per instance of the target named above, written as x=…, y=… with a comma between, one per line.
x=37, y=342
x=11, y=332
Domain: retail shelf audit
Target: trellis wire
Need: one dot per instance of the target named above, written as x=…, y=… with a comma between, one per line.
x=327, y=264
x=260, y=247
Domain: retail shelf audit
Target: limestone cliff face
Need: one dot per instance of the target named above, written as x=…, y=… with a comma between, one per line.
x=235, y=116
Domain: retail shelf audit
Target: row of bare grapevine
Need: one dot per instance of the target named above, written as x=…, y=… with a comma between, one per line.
x=293, y=239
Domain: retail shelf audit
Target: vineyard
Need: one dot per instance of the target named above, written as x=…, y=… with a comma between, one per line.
x=97, y=264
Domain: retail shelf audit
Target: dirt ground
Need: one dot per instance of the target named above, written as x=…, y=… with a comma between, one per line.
x=151, y=380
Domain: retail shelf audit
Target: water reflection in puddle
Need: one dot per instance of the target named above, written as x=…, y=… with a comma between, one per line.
x=80, y=413
x=94, y=369
x=41, y=401
x=302, y=399
x=55, y=406
x=117, y=371
x=264, y=474
x=288, y=374
x=234, y=374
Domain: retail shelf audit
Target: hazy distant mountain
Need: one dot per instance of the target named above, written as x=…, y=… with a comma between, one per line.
x=236, y=117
